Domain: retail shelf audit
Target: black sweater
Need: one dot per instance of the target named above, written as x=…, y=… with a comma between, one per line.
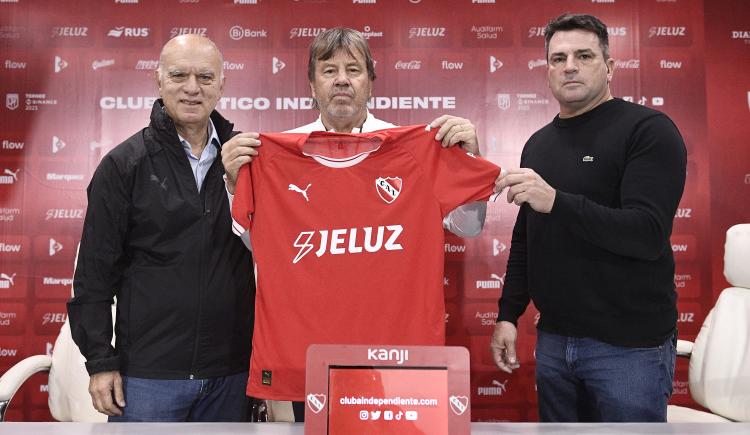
x=600, y=265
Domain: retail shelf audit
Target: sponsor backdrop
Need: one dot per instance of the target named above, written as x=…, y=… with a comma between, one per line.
x=77, y=79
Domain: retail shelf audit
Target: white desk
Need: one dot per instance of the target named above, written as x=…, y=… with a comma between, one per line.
x=9, y=428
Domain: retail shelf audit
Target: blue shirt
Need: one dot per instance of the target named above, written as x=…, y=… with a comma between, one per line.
x=200, y=165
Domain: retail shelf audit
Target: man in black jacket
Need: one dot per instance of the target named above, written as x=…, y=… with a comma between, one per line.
x=157, y=235
x=598, y=190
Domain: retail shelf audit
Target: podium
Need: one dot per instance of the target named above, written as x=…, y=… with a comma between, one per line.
x=387, y=390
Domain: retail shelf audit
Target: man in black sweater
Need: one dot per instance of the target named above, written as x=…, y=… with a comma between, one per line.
x=597, y=189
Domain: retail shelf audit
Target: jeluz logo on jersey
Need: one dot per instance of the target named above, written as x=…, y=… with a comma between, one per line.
x=348, y=241
x=388, y=188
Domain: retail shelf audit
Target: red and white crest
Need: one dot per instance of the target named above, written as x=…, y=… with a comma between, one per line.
x=458, y=404
x=316, y=402
x=389, y=188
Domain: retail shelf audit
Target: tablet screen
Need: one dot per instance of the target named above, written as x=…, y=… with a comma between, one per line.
x=387, y=399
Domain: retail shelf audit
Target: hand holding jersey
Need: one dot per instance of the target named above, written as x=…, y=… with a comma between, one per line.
x=236, y=152
x=348, y=241
x=526, y=186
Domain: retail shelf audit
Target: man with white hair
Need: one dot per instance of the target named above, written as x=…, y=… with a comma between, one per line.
x=157, y=236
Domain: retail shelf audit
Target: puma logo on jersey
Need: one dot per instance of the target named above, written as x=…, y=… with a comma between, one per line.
x=348, y=241
x=294, y=188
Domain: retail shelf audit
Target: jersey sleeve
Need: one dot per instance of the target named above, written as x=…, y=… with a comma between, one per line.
x=243, y=205
x=457, y=177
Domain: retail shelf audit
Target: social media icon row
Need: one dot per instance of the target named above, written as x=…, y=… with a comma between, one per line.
x=388, y=415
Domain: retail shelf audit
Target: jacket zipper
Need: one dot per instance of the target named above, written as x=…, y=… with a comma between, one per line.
x=201, y=250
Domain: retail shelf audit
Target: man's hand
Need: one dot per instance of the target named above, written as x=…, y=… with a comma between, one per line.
x=525, y=185
x=236, y=152
x=455, y=130
x=503, y=346
x=104, y=387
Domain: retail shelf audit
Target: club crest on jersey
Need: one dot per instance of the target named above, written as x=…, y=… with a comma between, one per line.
x=388, y=188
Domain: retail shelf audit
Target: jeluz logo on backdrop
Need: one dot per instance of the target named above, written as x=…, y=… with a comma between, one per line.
x=305, y=32
x=427, y=32
x=348, y=241
x=69, y=32
x=666, y=31
x=176, y=31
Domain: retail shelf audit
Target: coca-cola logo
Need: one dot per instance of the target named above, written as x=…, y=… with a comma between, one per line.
x=628, y=64
x=409, y=64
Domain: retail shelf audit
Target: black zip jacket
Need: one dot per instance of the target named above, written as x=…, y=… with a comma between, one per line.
x=184, y=282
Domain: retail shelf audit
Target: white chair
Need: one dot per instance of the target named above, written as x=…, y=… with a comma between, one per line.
x=68, y=382
x=719, y=373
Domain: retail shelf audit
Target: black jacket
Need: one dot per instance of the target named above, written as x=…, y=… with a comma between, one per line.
x=184, y=282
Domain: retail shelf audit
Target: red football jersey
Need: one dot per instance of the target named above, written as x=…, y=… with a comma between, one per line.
x=347, y=236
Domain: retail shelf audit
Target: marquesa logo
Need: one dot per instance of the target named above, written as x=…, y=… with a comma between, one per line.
x=399, y=356
x=348, y=241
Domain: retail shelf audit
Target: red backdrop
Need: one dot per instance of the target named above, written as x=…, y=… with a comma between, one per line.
x=77, y=80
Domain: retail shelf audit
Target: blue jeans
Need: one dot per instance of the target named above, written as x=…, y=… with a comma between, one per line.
x=586, y=380
x=199, y=400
